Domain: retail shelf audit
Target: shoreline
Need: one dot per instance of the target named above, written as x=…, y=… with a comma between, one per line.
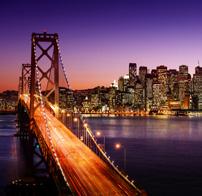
x=190, y=114
x=8, y=112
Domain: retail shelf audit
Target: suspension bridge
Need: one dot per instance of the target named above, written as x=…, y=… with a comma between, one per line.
x=73, y=157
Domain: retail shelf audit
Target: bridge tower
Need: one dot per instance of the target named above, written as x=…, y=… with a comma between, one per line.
x=39, y=50
x=25, y=78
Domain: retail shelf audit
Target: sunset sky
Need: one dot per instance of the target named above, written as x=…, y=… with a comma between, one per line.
x=98, y=38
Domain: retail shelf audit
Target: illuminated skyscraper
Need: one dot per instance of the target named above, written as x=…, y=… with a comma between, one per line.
x=197, y=88
x=183, y=69
x=121, y=84
x=184, y=83
x=142, y=74
x=173, y=87
x=149, y=91
x=139, y=94
x=162, y=77
x=132, y=73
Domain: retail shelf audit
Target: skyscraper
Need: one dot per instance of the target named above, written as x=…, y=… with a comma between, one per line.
x=162, y=77
x=132, y=73
x=121, y=84
x=142, y=74
x=183, y=69
x=184, y=82
x=197, y=88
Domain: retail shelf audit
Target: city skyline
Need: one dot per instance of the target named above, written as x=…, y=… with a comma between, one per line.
x=125, y=74
x=99, y=38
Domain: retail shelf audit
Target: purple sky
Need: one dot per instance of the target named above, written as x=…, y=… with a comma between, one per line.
x=99, y=38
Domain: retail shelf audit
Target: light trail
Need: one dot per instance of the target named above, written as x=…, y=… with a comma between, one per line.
x=87, y=174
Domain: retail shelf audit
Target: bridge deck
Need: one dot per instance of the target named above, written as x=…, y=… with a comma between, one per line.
x=87, y=174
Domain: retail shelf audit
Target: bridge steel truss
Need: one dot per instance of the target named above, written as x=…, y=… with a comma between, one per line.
x=37, y=42
x=26, y=73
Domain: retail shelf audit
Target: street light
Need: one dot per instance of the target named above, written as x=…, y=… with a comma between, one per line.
x=98, y=134
x=86, y=135
x=119, y=146
x=68, y=120
x=63, y=116
x=85, y=125
x=77, y=120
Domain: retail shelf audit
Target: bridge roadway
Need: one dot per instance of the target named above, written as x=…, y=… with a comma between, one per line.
x=87, y=174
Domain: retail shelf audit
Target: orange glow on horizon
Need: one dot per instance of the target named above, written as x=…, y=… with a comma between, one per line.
x=75, y=86
x=86, y=86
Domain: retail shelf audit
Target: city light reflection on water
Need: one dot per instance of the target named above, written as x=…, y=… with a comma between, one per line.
x=164, y=154
x=175, y=128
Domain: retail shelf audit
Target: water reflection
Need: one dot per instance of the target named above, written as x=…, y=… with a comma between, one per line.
x=178, y=128
x=163, y=154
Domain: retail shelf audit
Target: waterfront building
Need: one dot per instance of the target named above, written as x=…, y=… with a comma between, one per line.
x=8, y=100
x=95, y=102
x=86, y=105
x=66, y=98
x=112, y=99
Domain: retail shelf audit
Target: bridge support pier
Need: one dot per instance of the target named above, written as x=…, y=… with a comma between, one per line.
x=23, y=122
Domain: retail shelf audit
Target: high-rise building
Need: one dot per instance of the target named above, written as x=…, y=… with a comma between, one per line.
x=162, y=77
x=121, y=84
x=197, y=88
x=149, y=91
x=173, y=87
x=184, y=83
x=112, y=99
x=139, y=94
x=183, y=69
x=157, y=100
x=198, y=70
x=132, y=73
x=66, y=99
x=142, y=74
x=126, y=82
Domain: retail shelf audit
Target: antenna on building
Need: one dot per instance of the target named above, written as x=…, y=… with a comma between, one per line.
x=198, y=63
